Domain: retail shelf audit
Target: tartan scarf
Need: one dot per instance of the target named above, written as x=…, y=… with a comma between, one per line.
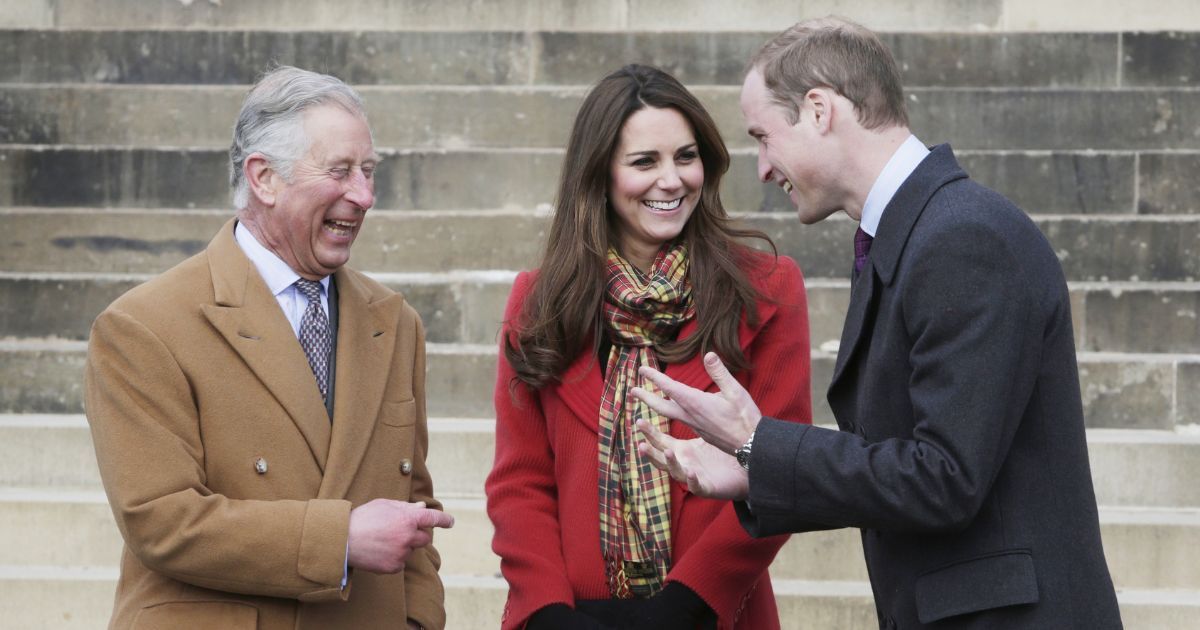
x=639, y=312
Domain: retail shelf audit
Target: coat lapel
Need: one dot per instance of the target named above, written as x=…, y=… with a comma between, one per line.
x=862, y=302
x=366, y=345
x=250, y=320
x=899, y=218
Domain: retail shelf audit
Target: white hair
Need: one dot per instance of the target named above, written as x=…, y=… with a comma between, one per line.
x=271, y=121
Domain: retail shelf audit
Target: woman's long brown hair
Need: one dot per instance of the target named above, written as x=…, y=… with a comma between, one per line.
x=562, y=312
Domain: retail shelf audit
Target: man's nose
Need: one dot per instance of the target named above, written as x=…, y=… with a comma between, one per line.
x=361, y=189
x=764, y=167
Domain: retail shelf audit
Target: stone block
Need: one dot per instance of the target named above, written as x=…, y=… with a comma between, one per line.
x=62, y=308
x=1143, y=320
x=120, y=115
x=239, y=57
x=1151, y=548
x=66, y=241
x=979, y=59
x=460, y=456
x=1125, y=249
x=468, y=117
x=572, y=58
x=50, y=530
x=459, y=381
x=1058, y=183
x=776, y=15
x=48, y=455
x=939, y=60
x=26, y=14
x=1153, y=468
x=440, y=180
x=1120, y=393
x=1167, y=183
x=172, y=178
x=1160, y=59
x=353, y=15
x=1057, y=120
x=36, y=380
x=1098, y=15
x=116, y=178
x=1187, y=410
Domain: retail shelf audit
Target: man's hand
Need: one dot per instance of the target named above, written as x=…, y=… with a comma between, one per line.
x=707, y=471
x=724, y=419
x=383, y=532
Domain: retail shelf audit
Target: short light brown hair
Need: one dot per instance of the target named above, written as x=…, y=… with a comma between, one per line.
x=835, y=53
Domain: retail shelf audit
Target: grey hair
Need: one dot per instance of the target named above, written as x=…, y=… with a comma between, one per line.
x=271, y=121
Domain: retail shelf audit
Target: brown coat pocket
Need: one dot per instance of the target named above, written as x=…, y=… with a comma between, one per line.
x=1002, y=579
x=197, y=616
x=399, y=414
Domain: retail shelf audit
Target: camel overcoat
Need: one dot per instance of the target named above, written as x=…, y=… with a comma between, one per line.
x=230, y=484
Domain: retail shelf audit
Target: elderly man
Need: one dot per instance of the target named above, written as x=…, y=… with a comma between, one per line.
x=258, y=411
x=961, y=454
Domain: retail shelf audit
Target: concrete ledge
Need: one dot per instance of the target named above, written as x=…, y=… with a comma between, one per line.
x=70, y=601
x=1041, y=182
x=1006, y=15
x=1129, y=469
x=461, y=117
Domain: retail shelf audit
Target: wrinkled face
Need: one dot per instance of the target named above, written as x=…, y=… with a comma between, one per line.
x=789, y=155
x=317, y=214
x=655, y=181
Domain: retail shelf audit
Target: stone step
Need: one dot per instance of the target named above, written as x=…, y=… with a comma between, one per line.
x=80, y=597
x=1131, y=468
x=1145, y=547
x=605, y=15
x=1116, y=248
x=1041, y=182
x=467, y=307
x=1123, y=391
x=575, y=55
x=434, y=117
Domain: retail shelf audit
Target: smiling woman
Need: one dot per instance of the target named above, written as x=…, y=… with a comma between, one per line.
x=643, y=267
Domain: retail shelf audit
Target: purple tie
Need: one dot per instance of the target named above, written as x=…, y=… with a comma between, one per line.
x=862, y=246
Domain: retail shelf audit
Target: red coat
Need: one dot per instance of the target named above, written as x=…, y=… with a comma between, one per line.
x=542, y=492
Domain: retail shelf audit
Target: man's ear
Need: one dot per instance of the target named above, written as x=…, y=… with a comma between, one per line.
x=261, y=177
x=820, y=104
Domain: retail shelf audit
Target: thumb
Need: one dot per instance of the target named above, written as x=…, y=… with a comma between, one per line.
x=719, y=373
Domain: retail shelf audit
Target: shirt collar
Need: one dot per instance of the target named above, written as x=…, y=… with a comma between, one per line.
x=276, y=273
x=903, y=162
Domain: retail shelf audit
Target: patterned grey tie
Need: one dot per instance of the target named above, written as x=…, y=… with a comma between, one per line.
x=314, y=334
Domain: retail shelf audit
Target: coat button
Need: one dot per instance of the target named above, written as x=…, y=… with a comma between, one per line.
x=260, y=466
x=406, y=466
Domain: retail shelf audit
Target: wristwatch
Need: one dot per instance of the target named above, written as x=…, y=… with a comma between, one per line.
x=743, y=452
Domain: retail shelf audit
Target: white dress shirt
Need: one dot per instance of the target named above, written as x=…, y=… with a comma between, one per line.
x=903, y=162
x=280, y=278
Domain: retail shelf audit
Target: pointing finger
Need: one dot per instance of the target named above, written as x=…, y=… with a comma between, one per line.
x=664, y=382
x=668, y=408
x=434, y=518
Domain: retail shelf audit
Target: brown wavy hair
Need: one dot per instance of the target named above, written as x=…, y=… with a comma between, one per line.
x=562, y=312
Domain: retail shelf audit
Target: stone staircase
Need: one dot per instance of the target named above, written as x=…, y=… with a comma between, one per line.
x=115, y=119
